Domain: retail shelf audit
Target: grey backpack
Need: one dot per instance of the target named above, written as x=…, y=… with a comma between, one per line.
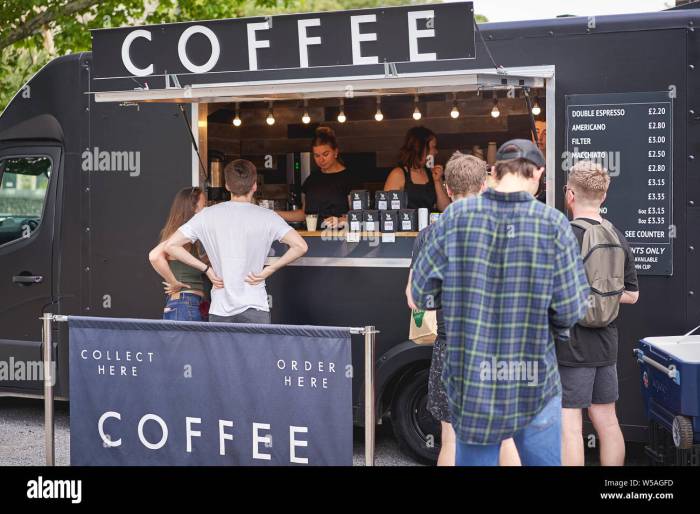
x=604, y=262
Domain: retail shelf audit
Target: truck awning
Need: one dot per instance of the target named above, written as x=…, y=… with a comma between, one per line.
x=415, y=83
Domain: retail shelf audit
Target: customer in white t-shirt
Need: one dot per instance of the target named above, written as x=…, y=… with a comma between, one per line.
x=237, y=236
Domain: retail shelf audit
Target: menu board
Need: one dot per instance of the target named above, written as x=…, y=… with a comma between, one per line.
x=630, y=134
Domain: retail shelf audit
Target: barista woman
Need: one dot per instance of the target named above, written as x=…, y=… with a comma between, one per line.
x=417, y=173
x=326, y=192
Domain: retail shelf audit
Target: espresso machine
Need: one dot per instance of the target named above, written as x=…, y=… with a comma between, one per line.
x=298, y=168
x=216, y=191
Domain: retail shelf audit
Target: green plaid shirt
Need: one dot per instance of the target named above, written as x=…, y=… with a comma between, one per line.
x=508, y=273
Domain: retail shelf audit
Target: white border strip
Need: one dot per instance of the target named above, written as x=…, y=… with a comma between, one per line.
x=348, y=262
x=194, y=120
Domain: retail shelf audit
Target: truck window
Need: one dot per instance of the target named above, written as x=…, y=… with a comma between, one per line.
x=23, y=184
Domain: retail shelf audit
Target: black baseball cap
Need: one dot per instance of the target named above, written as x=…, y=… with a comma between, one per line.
x=523, y=149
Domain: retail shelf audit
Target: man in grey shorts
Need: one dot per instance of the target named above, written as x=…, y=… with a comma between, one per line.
x=588, y=360
x=237, y=236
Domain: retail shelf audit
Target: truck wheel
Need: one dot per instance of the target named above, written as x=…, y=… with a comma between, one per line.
x=682, y=429
x=417, y=431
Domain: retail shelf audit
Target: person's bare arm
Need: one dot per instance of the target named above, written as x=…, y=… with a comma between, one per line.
x=297, y=248
x=395, y=181
x=629, y=297
x=175, y=247
x=409, y=294
x=297, y=214
x=443, y=200
x=335, y=221
x=159, y=260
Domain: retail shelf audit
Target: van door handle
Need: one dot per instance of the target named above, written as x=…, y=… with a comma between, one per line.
x=27, y=279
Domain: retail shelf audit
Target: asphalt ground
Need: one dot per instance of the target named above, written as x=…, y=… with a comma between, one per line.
x=22, y=439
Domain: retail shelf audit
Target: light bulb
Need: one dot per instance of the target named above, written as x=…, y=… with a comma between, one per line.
x=454, y=112
x=417, y=114
x=341, y=117
x=270, y=115
x=379, y=116
x=306, y=119
x=495, y=112
x=536, y=109
x=237, y=121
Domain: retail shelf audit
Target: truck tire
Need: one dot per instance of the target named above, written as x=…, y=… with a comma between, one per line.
x=682, y=430
x=416, y=430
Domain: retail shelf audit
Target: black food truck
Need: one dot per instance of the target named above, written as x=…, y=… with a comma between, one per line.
x=95, y=146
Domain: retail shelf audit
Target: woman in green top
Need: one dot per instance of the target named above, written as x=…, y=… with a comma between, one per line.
x=184, y=286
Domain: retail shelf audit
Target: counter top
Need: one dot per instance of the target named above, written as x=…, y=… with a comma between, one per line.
x=331, y=248
x=342, y=233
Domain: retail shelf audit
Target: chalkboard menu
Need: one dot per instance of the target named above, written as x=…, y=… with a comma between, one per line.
x=630, y=134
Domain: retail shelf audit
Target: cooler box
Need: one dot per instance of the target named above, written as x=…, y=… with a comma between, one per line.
x=670, y=374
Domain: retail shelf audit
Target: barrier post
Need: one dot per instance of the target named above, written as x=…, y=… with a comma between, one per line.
x=47, y=352
x=370, y=410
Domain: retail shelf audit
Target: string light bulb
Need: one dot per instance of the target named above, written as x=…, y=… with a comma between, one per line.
x=306, y=119
x=270, y=116
x=341, y=115
x=454, y=113
x=237, y=119
x=495, y=112
x=416, y=112
x=536, y=109
x=378, y=115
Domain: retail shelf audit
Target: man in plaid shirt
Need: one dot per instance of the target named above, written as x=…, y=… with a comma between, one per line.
x=508, y=273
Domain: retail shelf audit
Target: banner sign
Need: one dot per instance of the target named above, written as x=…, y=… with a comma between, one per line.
x=310, y=45
x=152, y=392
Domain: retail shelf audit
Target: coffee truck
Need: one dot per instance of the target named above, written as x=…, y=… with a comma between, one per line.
x=94, y=147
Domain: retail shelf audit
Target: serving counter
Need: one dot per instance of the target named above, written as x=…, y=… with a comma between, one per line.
x=331, y=248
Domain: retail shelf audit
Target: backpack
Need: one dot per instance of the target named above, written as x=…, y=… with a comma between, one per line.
x=604, y=262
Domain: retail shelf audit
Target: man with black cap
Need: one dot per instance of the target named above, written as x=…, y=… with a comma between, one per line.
x=510, y=274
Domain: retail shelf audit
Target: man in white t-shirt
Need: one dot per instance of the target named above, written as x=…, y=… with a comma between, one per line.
x=237, y=236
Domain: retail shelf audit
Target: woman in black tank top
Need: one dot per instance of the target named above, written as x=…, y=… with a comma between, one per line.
x=186, y=288
x=417, y=174
x=419, y=195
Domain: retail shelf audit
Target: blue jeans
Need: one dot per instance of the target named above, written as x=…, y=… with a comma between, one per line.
x=185, y=308
x=539, y=443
